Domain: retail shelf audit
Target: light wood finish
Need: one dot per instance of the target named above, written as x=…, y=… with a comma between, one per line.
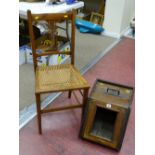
x=61, y=108
x=55, y=78
x=97, y=18
x=59, y=78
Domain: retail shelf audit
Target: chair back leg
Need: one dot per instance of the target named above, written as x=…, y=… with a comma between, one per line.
x=69, y=94
x=85, y=96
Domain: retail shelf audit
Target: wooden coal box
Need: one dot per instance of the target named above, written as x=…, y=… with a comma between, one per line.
x=106, y=113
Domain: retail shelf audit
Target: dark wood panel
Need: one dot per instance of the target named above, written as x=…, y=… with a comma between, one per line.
x=104, y=120
x=94, y=6
x=97, y=6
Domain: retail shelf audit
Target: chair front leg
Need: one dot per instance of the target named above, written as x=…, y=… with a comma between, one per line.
x=38, y=105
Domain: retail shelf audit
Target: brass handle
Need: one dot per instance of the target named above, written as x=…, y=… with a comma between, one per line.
x=113, y=92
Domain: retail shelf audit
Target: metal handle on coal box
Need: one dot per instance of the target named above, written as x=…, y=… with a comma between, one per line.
x=113, y=92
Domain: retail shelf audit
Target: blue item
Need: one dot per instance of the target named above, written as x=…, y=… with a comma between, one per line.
x=86, y=27
x=70, y=1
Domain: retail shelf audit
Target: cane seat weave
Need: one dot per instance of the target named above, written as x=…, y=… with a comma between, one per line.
x=59, y=78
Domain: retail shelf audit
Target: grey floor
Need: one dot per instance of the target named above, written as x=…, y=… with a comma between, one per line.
x=88, y=46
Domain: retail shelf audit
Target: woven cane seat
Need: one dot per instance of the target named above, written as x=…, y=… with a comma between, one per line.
x=59, y=78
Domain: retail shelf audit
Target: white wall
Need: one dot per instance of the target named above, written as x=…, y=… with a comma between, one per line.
x=129, y=11
x=118, y=14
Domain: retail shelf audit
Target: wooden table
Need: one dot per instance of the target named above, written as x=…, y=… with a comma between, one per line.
x=42, y=7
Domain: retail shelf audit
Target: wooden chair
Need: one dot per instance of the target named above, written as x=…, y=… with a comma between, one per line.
x=55, y=78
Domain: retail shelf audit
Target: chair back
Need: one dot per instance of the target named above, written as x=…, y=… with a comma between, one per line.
x=49, y=43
